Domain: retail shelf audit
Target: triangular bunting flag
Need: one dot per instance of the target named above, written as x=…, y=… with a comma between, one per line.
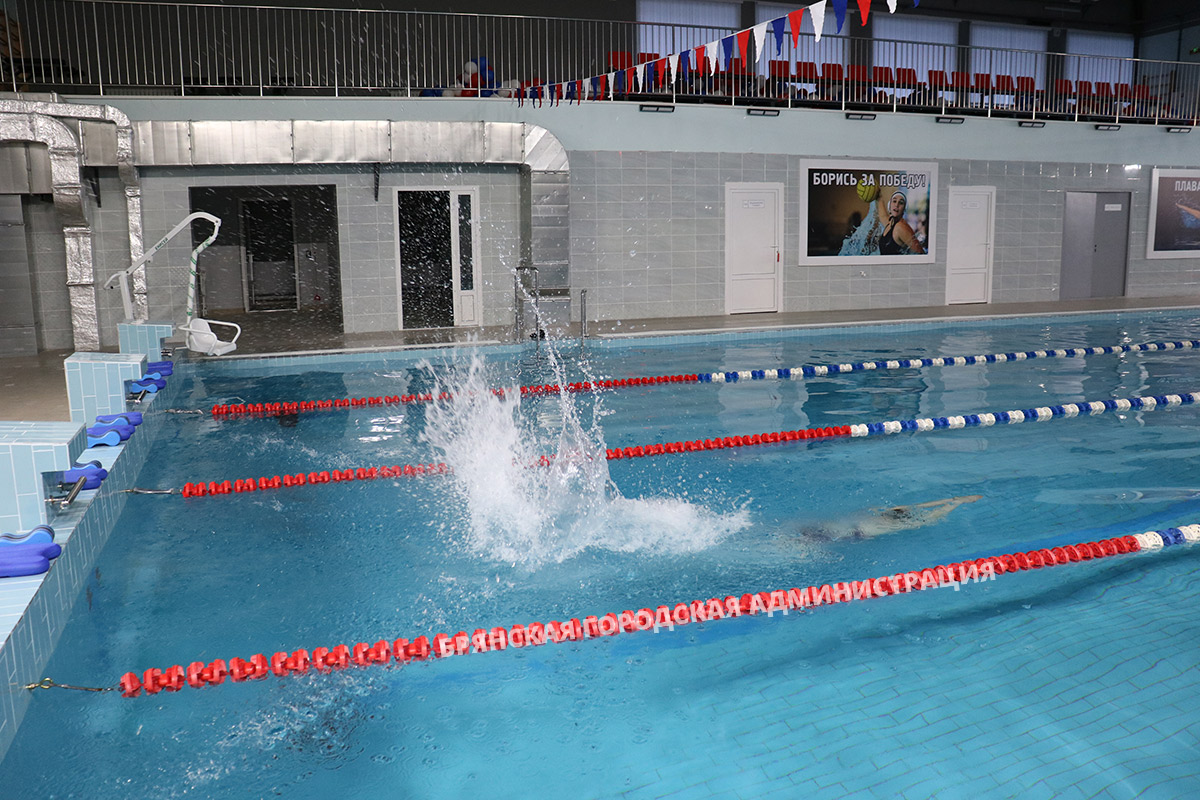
x=685, y=65
x=673, y=65
x=727, y=50
x=864, y=8
x=817, y=12
x=633, y=75
x=606, y=85
x=777, y=27
x=713, y=51
x=760, y=38
x=743, y=46
x=660, y=74
x=839, y=9
x=794, y=18
x=891, y=6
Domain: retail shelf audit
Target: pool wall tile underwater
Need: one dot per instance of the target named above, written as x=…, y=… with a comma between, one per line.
x=34, y=610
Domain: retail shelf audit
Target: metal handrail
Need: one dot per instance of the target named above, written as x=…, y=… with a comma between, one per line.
x=84, y=47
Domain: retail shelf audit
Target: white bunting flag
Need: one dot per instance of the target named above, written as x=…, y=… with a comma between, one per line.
x=760, y=38
x=816, y=12
x=673, y=66
x=891, y=6
x=713, y=51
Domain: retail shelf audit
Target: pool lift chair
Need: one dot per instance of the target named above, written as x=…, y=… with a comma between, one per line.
x=200, y=335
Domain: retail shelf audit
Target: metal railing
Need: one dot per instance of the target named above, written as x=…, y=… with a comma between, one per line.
x=121, y=47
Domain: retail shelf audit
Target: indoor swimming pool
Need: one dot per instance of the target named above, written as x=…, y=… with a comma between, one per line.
x=1063, y=682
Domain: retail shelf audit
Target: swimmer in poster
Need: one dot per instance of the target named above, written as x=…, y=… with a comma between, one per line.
x=1177, y=217
x=868, y=213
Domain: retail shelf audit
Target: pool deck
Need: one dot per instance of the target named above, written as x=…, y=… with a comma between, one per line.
x=33, y=388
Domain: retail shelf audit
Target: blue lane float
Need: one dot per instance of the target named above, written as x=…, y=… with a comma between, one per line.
x=28, y=553
x=1016, y=416
x=815, y=371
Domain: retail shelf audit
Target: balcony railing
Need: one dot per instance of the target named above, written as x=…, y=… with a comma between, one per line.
x=125, y=47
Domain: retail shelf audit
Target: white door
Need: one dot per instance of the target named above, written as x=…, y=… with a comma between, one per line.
x=970, y=230
x=753, y=233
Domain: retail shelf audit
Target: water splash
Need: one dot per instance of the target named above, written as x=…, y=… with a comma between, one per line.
x=519, y=512
x=864, y=240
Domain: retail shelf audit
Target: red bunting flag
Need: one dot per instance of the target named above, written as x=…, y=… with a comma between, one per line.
x=698, y=65
x=864, y=6
x=794, y=19
x=743, y=43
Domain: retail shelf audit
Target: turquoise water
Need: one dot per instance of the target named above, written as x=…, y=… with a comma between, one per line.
x=1063, y=682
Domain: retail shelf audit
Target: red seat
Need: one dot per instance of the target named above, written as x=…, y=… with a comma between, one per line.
x=1063, y=86
x=882, y=76
x=1124, y=90
x=1104, y=90
x=960, y=80
x=644, y=57
x=780, y=69
x=937, y=79
x=906, y=78
x=1083, y=88
x=858, y=73
x=832, y=72
x=619, y=59
x=1005, y=85
x=737, y=66
x=1141, y=92
x=983, y=82
x=806, y=72
x=1025, y=85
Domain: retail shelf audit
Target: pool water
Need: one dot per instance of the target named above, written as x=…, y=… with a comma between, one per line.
x=1062, y=682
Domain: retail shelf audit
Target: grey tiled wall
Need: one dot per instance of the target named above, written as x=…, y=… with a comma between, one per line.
x=647, y=232
x=48, y=267
x=646, y=228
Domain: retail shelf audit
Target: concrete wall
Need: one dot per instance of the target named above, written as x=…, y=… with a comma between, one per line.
x=366, y=236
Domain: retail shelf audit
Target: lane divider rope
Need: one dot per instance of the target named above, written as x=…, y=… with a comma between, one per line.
x=230, y=411
x=1014, y=417
x=323, y=659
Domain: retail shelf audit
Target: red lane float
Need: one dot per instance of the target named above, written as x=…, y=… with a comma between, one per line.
x=773, y=437
x=482, y=640
x=232, y=410
x=202, y=489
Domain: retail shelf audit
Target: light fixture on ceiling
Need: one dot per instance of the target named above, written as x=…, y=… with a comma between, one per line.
x=950, y=120
x=1178, y=129
x=1104, y=127
x=859, y=115
x=657, y=108
x=1031, y=123
x=762, y=112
